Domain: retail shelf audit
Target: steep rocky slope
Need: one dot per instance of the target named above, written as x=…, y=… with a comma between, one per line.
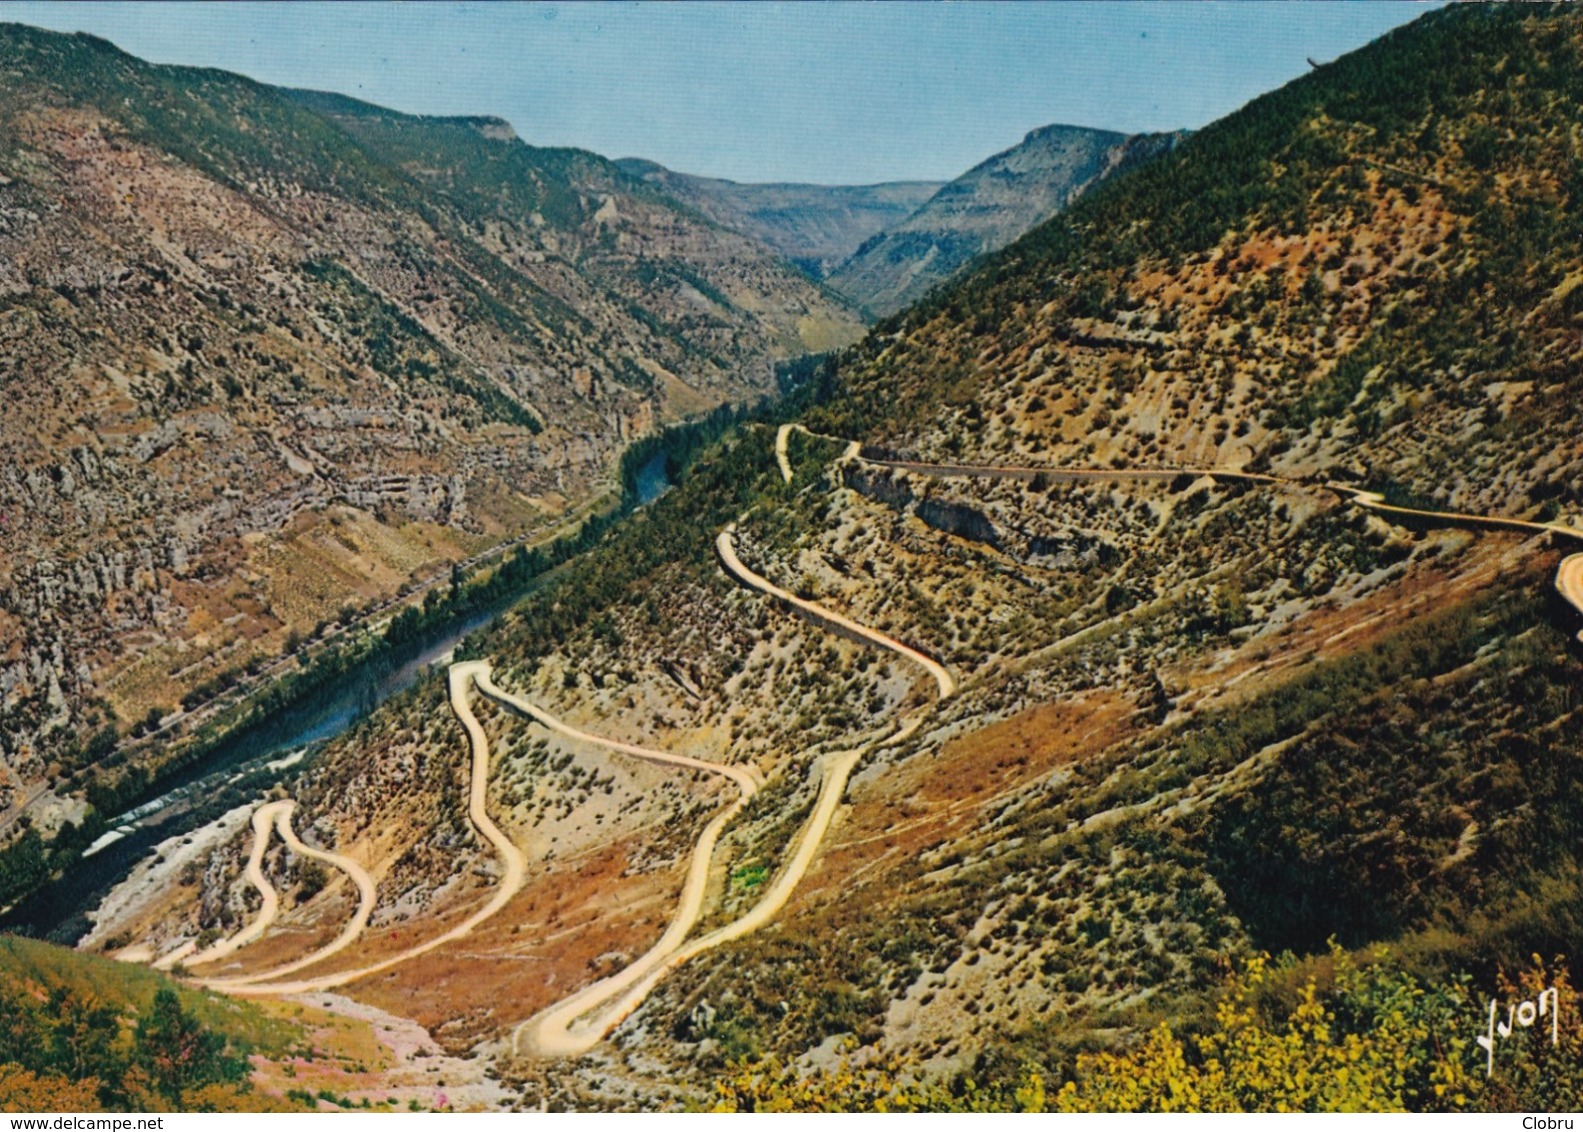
x=267, y=354
x=985, y=209
x=1201, y=716
x=817, y=227
x=1370, y=273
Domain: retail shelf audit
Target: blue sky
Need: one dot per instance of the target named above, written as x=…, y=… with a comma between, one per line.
x=834, y=93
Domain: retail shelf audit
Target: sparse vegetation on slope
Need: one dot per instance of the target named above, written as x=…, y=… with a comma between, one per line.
x=1365, y=273
x=273, y=356
x=1198, y=718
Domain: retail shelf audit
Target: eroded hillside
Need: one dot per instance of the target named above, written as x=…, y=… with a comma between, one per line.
x=1120, y=801
x=270, y=356
x=1204, y=698
x=1370, y=273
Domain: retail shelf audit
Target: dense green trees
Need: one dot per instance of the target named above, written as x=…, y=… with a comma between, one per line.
x=178, y=1053
x=68, y=1043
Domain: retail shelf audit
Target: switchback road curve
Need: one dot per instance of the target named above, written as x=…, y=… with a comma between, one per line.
x=514, y=864
x=567, y=1029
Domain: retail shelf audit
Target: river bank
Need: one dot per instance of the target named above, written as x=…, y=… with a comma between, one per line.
x=238, y=768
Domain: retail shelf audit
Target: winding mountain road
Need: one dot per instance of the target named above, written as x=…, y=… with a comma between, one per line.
x=566, y=1029
x=1374, y=501
x=367, y=896
x=854, y=448
x=725, y=546
x=263, y=821
x=1569, y=583
x=514, y=862
x=782, y=435
x=576, y=1024
x=1569, y=577
x=746, y=780
x=554, y=1032
x=1069, y=475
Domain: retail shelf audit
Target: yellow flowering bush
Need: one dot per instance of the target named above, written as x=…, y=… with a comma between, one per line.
x=1378, y=1042
x=1367, y=1038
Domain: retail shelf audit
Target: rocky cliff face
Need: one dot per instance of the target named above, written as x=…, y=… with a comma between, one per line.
x=268, y=353
x=987, y=208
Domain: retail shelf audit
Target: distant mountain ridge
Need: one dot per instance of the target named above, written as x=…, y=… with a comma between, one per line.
x=815, y=226
x=885, y=246
x=987, y=208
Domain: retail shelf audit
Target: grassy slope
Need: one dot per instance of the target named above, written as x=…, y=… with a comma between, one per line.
x=29, y=966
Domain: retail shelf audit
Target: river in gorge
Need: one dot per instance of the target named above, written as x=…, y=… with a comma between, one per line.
x=245, y=767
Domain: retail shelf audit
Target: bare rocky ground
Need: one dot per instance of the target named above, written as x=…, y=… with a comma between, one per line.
x=383, y=1059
